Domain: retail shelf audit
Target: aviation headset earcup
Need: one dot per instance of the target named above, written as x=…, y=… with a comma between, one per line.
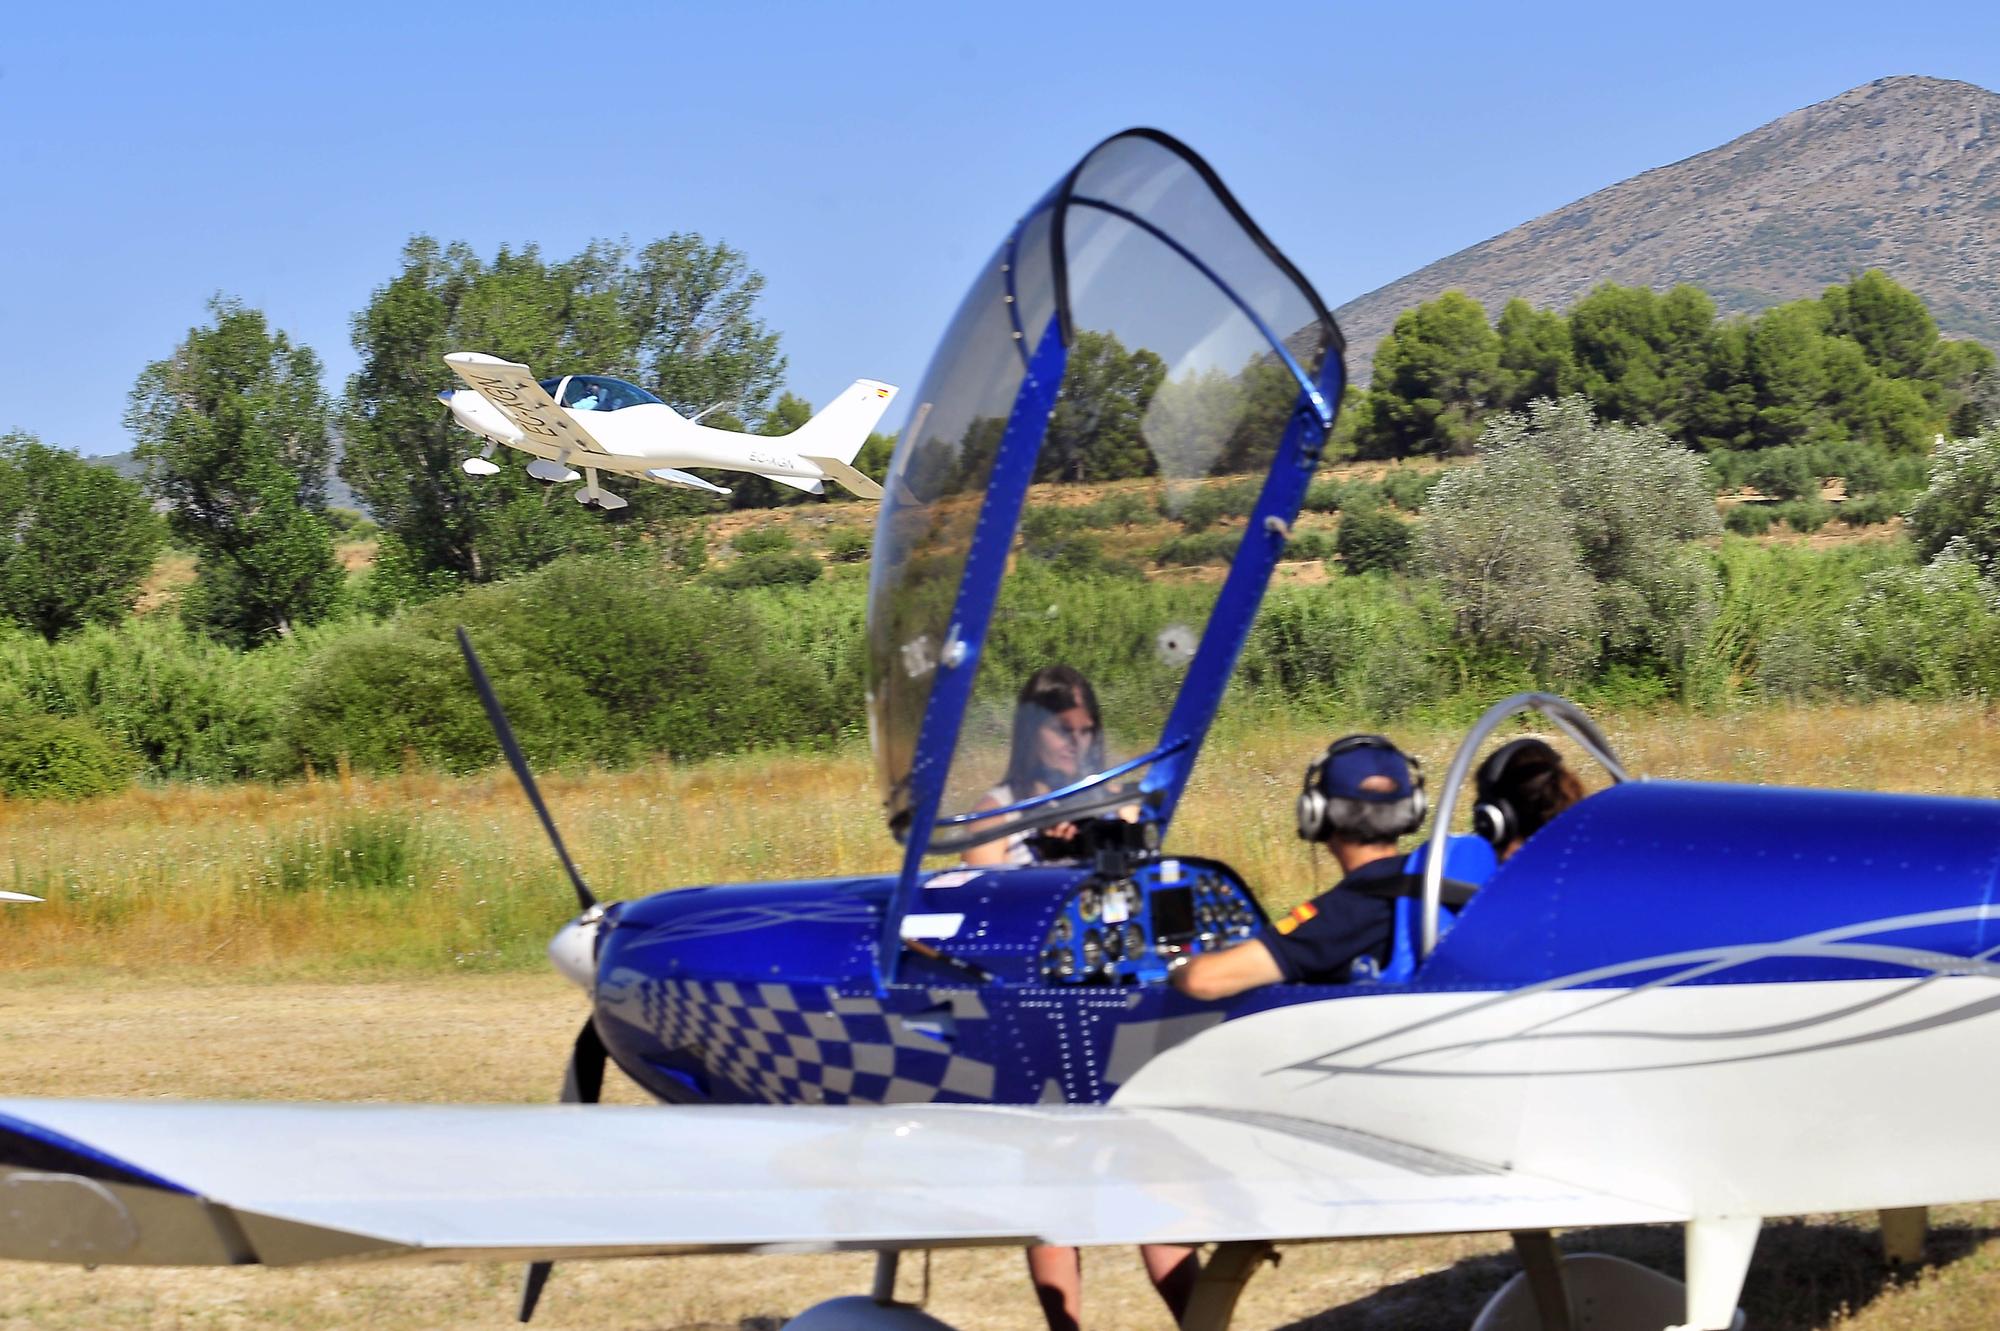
x=1493, y=821
x=1493, y=818
x=1312, y=805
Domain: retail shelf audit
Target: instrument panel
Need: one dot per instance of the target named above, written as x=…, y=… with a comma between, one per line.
x=1125, y=930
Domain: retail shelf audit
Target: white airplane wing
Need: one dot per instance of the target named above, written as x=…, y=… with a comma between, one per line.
x=513, y=391
x=674, y=476
x=121, y=1182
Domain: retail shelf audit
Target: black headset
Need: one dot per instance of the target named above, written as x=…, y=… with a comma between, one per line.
x=1313, y=802
x=1494, y=817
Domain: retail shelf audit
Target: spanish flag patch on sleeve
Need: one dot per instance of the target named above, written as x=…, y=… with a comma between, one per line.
x=1296, y=918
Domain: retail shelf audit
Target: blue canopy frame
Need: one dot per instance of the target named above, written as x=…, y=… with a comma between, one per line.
x=1170, y=762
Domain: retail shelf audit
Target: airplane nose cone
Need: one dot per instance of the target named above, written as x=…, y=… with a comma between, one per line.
x=573, y=952
x=444, y=395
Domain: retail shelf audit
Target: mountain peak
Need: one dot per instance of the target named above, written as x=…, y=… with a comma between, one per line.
x=1901, y=174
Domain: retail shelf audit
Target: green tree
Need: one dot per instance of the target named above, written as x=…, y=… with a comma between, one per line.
x=1641, y=356
x=1570, y=541
x=233, y=432
x=1535, y=353
x=1436, y=374
x=692, y=309
x=76, y=538
x=1094, y=432
x=1886, y=320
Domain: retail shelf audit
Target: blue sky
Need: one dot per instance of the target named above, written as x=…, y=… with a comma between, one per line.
x=865, y=157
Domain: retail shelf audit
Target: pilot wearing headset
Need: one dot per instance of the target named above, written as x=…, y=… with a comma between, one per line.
x=1520, y=787
x=1359, y=797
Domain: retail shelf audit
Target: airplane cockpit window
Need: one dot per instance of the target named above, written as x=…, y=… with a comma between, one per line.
x=1183, y=345
x=595, y=392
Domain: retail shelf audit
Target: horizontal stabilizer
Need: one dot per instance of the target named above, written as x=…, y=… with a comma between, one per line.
x=671, y=476
x=798, y=483
x=17, y=896
x=846, y=475
x=148, y=1182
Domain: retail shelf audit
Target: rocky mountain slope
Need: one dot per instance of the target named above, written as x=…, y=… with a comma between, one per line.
x=1901, y=174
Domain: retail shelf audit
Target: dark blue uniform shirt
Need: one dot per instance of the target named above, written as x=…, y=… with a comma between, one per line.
x=1318, y=942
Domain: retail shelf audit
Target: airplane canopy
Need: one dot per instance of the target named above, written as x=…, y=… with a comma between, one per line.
x=1137, y=328
x=595, y=392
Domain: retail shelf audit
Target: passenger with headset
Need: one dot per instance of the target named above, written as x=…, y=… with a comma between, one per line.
x=1520, y=787
x=1359, y=797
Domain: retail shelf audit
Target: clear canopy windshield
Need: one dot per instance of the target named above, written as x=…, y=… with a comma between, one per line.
x=1188, y=343
x=595, y=392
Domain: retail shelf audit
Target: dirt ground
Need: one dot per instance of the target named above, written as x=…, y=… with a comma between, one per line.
x=487, y=1038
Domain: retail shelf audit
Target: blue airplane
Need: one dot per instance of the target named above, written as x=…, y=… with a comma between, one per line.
x=1680, y=1003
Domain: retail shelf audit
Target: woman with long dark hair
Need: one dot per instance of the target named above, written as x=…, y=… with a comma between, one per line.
x=1058, y=738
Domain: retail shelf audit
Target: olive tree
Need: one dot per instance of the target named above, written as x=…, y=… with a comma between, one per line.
x=1570, y=541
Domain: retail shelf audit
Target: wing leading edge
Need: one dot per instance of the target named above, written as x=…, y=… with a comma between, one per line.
x=513, y=390
x=192, y=1184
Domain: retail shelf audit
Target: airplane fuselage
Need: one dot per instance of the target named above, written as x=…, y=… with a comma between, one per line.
x=1700, y=968
x=635, y=439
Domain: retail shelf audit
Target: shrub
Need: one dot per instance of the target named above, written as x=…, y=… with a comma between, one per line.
x=1867, y=510
x=60, y=757
x=1332, y=496
x=1209, y=504
x=1749, y=519
x=1362, y=646
x=1932, y=632
x=1407, y=488
x=1128, y=508
x=1962, y=501
x=1783, y=473
x=848, y=545
x=188, y=706
x=1803, y=515
x=1209, y=547
x=1371, y=540
x=766, y=568
x=596, y=658
x=1048, y=521
x=761, y=540
x=1310, y=545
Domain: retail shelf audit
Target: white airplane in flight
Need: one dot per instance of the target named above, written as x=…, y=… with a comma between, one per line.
x=597, y=423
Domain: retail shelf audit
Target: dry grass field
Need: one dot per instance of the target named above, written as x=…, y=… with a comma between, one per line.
x=378, y=939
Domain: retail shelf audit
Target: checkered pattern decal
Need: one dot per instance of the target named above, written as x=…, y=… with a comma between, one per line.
x=787, y=1044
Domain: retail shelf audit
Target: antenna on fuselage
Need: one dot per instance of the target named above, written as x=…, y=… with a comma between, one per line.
x=497, y=718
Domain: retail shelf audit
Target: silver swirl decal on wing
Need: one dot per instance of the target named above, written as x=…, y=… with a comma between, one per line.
x=744, y=919
x=1561, y=1027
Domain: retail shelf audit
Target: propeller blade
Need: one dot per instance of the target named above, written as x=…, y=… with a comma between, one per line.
x=583, y=1082
x=531, y=1288
x=505, y=734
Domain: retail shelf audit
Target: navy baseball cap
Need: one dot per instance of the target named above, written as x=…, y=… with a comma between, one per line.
x=1353, y=759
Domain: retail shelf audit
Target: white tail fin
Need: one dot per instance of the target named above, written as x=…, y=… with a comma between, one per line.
x=842, y=428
